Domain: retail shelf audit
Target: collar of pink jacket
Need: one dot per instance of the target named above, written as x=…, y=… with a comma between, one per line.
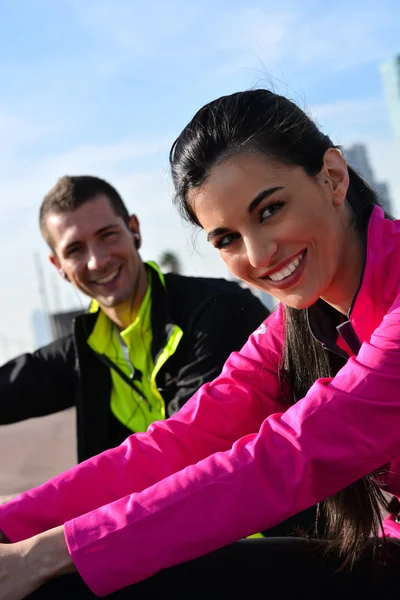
x=377, y=291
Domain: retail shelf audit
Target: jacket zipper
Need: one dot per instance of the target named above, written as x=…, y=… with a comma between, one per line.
x=104, y=359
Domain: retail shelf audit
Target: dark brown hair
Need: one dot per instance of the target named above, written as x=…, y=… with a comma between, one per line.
x=70, y=192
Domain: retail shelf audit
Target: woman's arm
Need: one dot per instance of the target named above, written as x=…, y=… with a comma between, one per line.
x=234, y=405
x=26, y=565
x=343, y=429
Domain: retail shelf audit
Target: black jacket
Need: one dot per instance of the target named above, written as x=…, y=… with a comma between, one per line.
x=216, y=317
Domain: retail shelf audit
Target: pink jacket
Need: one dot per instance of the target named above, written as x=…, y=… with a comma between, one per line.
x=233, y=461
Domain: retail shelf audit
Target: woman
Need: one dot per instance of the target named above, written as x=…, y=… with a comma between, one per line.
x=309, y=406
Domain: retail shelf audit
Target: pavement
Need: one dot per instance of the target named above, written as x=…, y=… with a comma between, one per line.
x=33, y=451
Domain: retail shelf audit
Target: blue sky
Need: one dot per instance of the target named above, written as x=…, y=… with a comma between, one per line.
x=104, y=86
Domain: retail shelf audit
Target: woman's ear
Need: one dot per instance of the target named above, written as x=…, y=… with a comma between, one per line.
x=335, y=174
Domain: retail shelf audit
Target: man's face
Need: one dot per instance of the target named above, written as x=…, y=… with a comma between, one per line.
x=96, y=250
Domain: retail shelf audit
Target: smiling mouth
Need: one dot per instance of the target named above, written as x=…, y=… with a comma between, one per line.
x=110, y=277
x=287, y=270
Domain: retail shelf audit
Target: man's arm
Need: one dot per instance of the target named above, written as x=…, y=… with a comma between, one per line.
x=38, y=384
x=222, y=325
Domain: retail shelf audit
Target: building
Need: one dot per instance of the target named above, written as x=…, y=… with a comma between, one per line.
x=40, y=329
x=391, y=83
x=49, y=327
x=357, y=157
x=61, y=323
x=382, y=190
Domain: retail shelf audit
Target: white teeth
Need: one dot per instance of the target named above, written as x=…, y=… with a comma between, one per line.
x=287, y=270
x=107, y=278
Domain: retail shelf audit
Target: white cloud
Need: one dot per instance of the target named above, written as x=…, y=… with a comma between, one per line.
x=348, y=121
x=358, y=109
x=7, y=122
x=139, y=29
x=103, y=160
x=17, y=134
x=40, y=173
x=283, y=39
x=280, y=44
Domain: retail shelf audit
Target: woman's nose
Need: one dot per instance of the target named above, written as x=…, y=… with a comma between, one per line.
x=261, y=252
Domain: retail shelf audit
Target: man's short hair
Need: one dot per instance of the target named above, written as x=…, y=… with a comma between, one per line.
x=70, y=192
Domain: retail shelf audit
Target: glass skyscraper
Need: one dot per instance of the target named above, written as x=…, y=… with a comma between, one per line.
x=357, y=157
x=391, y=83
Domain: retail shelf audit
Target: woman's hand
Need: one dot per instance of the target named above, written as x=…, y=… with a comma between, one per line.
x=27, y=565
x=17, y=576
x=3, y=538
x=5, y=499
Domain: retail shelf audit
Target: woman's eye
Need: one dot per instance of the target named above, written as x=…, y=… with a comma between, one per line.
x=270, y=210
x=226, y=240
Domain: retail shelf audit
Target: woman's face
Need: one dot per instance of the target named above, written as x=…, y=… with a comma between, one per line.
x=279, y=229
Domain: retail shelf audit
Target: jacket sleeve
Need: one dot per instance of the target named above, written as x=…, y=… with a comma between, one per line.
x=209, y=422
x=342, y=429
x=38, y=384
x=390, y=527
x=222, y=325
x=391, y=483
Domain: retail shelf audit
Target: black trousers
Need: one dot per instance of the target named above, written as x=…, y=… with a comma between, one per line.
x=286, y=567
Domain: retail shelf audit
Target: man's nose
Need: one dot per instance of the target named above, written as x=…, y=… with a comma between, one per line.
x=97, y=259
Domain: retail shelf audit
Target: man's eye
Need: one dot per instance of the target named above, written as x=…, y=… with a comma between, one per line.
x=226, y=240
x=270, y=210
x=72, y=251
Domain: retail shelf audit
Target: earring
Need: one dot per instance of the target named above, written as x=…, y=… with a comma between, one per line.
x=63, y=274
x=137, y=240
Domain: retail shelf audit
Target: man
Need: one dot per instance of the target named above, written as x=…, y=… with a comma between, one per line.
x=149, y=340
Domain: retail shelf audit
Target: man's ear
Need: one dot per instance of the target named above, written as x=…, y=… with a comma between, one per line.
x=134, y=228
x=54, y=261
x=133, y=224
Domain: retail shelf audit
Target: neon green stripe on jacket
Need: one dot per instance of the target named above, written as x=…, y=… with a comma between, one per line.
x=130, y=350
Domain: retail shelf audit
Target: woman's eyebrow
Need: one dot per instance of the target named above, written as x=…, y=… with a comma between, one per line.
x=261, y=196
x=215, y=232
